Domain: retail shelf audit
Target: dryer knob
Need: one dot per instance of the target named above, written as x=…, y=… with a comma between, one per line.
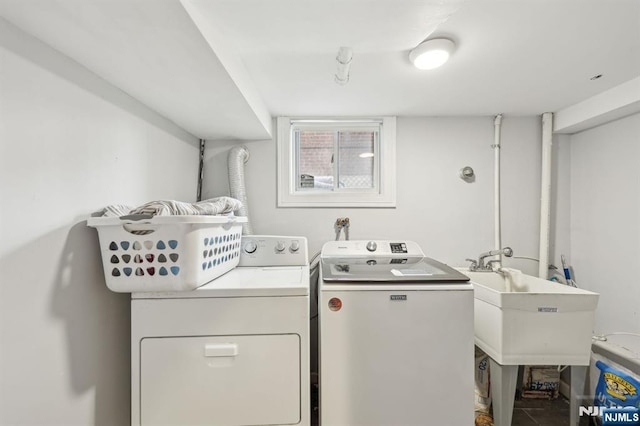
x=280, y=246
x=295, y=246
x=372, y=246
x=250, y=247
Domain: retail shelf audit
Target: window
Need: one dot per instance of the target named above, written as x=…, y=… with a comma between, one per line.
x=341, y=163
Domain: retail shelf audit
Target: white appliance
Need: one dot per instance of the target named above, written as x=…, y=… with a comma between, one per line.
x=232, y=352
x=396, y=337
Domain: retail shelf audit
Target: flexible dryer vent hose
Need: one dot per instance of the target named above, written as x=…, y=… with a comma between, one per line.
x=236, y=159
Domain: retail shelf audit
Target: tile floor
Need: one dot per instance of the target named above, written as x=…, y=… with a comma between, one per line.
x=541, y=412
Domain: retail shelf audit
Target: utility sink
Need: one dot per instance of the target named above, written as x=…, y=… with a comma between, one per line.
x=524, y=320
x=520, y=319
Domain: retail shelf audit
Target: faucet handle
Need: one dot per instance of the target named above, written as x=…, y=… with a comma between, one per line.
x=474, y=264
x=494, y=265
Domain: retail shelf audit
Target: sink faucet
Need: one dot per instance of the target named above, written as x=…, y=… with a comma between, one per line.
x=479, y=265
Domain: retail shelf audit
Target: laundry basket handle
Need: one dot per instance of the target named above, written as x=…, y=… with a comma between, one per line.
x=139, y=227
x=136, y=217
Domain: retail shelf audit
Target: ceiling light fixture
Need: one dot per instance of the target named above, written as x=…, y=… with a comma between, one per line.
x=432, y=53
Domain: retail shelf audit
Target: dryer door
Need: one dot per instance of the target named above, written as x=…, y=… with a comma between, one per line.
x=220, y=380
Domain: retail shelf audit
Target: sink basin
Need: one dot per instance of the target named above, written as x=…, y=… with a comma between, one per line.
x=524, y=320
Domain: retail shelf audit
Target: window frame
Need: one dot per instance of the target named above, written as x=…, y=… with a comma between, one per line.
x=383, y=193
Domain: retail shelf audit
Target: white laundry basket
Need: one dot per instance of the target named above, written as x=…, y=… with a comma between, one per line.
x=167, y=253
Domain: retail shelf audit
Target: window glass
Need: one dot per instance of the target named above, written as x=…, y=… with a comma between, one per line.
x=315, y=159
x=356, y=159
x=319, y=168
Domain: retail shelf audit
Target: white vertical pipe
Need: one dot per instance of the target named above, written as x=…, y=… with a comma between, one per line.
x=545, y=194
x=497, y=123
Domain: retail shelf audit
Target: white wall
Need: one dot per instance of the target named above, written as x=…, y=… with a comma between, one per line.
x=450, y=219
x=605, y=220
x=71, y=144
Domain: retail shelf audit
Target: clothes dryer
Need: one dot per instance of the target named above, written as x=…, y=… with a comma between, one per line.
x=232, y=352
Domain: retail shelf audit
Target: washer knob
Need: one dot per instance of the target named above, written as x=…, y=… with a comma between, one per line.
x=295, y=246
x=250, y=247
x=280, y=246
x=372, y=246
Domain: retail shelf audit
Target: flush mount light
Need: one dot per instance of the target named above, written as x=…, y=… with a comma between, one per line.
x=431, y=54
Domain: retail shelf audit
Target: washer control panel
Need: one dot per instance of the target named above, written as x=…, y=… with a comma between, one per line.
x=371, y=248
x=273, y=250
x=398, y=247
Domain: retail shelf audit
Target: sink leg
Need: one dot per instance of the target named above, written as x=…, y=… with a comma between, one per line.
x=503, y=391
x=578, y=392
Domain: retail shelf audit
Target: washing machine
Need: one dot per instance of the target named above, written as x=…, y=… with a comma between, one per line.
x=232, y=352
x=396, y=337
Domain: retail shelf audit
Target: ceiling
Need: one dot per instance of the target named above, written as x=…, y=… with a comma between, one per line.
x=513, y=56
x=221, y=68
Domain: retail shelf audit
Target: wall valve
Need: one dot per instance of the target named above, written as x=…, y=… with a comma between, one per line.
x=342, y=223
